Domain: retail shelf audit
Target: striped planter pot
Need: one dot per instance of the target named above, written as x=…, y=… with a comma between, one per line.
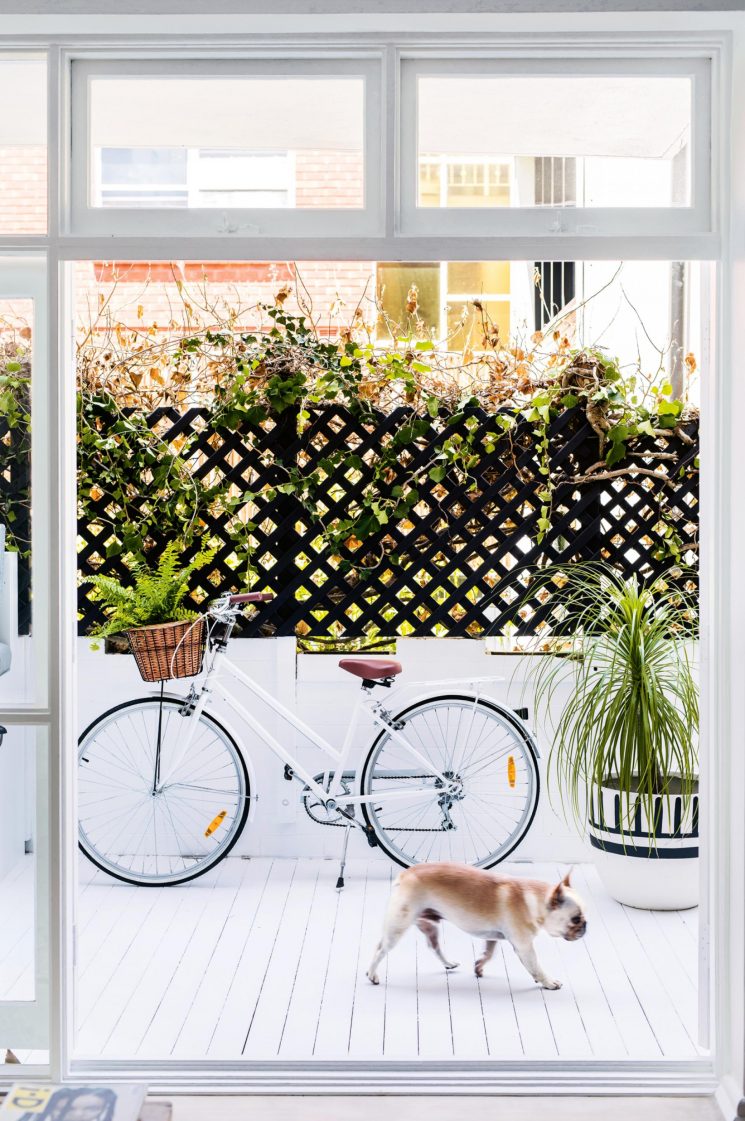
x=643, y=864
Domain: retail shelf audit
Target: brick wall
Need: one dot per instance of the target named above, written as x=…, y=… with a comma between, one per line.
x=142, y=293
x=323, y=179
x=328, y=179
x=333, y=289
x=23, y=190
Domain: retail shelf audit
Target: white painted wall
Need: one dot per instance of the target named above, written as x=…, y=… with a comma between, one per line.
x=324, y=696
x=629, y=318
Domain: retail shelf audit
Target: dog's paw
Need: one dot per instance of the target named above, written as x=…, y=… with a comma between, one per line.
x=478, y=970
x=373, y=978
x=547, y=983
x=451, y=965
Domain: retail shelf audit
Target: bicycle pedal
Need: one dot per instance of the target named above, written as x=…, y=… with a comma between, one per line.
x=372, y=840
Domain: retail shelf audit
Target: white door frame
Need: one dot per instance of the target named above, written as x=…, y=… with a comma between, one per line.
x=724, y=521
x=26, y=1022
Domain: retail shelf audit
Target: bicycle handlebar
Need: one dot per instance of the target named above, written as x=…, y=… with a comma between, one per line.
x=228, y=604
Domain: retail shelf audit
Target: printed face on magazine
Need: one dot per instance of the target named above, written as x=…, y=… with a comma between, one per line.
x=87, y=1107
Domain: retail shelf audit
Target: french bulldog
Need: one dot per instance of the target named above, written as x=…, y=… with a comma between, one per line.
x=486, y=905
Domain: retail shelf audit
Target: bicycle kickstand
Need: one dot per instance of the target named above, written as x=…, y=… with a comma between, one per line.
x=340, y=881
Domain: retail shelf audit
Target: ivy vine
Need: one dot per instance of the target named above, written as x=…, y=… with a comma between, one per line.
x=278, y=378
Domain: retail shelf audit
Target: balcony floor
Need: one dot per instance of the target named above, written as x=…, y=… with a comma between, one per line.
x=263, y=959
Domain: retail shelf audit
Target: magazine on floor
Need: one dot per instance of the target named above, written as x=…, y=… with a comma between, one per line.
x=28, y=1102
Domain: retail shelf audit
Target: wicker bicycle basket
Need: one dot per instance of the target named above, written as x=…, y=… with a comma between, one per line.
x=168, y=650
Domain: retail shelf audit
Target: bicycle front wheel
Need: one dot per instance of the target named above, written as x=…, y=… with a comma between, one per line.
x=150, y=812
x=487, y=755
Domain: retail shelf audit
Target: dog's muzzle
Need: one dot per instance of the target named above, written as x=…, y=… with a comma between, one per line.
x=577, y=930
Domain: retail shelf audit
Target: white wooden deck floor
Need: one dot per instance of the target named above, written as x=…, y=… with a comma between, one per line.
x=263, y=959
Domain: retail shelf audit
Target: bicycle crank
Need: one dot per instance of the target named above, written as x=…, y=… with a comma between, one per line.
x=338, y=814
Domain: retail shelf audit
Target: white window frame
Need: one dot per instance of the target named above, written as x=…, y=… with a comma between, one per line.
x=86, y=219
x=189, y=185
x=446, y=297
x=718, y=36
x=417, y=221
x=446, y=162
x=27, y=1021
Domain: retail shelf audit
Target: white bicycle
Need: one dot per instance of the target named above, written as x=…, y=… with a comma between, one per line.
x=165, y=789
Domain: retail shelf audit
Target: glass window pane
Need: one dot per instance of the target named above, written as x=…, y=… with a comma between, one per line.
x=23, y=146
x=227, y=142
x=164, y=297
x=474, y=278
x=467, y=323
x=591, y=141
x=407, y=295
x=17, y=817
x=17, y=663
x=24, y=855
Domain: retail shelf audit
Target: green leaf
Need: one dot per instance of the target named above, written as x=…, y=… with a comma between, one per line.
x=616, y=453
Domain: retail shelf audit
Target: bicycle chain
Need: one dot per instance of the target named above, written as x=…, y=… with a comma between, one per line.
x=342, y=825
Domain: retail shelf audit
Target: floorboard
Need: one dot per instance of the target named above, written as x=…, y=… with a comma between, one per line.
x=263, y=959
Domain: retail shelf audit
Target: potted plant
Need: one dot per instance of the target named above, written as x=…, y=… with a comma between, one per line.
x=625, y=750
x=154, y=597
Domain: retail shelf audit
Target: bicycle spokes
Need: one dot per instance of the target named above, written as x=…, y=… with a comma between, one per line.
x=148, y=821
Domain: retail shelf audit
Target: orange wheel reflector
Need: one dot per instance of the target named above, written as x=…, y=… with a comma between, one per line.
x=215, y=823
x=511, y=771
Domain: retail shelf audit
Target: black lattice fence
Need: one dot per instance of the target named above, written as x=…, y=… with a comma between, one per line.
x=460, y=548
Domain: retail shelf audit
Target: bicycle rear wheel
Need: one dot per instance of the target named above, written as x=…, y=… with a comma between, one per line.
x=156, y=833
x=489, y=755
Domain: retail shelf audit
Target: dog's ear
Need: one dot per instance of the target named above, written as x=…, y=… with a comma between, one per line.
x=556, y=898
x=567, y=879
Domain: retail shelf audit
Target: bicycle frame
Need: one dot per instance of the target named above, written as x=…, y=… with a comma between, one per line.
x=214, y=683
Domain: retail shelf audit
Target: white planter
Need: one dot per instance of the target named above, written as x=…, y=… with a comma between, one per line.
x=655, y=868
x=654, y=885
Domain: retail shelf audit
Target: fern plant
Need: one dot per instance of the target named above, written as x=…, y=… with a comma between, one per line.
x=155, y=596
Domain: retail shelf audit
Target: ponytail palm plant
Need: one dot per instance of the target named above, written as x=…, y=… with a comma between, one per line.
x=631, y=718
